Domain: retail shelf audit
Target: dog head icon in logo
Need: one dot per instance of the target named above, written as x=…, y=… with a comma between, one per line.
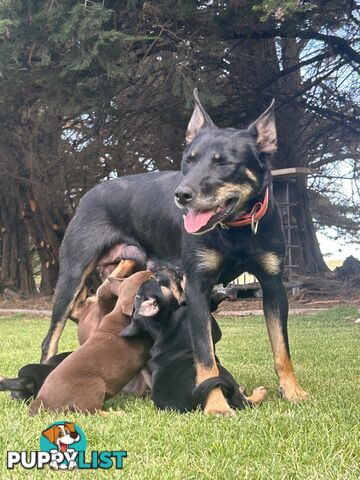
x=64, y=440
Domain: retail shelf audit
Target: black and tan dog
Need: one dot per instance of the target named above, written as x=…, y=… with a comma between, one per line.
x=173, y=374
x=231, y=225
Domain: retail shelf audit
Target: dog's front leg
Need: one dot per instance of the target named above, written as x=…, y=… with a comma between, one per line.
x=199, y=285
x=276, y=315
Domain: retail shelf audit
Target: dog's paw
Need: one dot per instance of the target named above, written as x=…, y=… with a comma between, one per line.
x=54, y=465
x=293, y=393
x=217, y=405
x=72, y=465
x=258, y=394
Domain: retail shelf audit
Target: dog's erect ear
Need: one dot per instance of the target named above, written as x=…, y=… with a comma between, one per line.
x=199, y=119
x=132, y=330
x=51, y=433
x=148, y=308
x=264, y=129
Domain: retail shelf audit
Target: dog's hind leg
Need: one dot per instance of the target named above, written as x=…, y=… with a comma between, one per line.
x=70, y=284
x=81, y=247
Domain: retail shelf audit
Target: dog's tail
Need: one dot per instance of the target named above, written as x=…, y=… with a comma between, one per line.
x=13, y=384
x=201, y=392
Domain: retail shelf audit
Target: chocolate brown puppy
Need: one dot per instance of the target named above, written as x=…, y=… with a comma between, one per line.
x=104, y=364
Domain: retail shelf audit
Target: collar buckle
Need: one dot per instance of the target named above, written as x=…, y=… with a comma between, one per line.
x=254, y=224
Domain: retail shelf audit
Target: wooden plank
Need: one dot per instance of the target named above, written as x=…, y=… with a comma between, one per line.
x=292, y=172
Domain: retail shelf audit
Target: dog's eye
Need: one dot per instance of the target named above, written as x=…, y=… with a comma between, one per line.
x=190, y=158
x=218, y=159
x=61, y=434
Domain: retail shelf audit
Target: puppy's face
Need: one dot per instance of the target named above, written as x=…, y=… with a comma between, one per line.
x=153, y=304
x=151, y=298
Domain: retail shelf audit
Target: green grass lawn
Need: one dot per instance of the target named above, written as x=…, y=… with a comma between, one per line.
x=317, y=439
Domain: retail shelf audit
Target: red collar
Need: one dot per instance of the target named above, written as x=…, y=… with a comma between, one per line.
x=255, y=215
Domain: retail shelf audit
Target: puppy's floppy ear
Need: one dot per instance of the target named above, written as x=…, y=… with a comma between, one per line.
x=125, y=300
x=115, y=284
x=51, y=433
x=148, y=308
x=127, y=289
x=132, y=330
x=199, y=119
x=264, y=130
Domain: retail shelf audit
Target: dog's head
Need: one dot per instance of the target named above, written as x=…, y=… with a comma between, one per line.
x=154, y=302
x=223, y=168
x=62, y=435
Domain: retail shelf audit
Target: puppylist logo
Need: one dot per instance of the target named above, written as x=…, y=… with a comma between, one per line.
x=62, y=447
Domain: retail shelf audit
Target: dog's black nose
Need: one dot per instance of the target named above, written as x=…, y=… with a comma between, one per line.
x=184, y=195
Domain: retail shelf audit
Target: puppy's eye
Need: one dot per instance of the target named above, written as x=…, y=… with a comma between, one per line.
x=61, y=434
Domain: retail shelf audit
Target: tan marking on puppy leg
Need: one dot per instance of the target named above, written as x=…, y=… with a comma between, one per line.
x=257, y=396
x=270, y=263
x=289, y=387
x=208, y=259
x=250, y=174
x=124, y=269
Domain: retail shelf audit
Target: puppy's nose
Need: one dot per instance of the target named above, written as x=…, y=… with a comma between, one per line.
x=74, y=435
x=184, y=195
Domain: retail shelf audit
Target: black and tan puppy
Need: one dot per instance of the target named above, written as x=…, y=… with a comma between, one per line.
x=159, y=316
x=104, y=364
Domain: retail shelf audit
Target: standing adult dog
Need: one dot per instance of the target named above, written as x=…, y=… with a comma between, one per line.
x=231, y=224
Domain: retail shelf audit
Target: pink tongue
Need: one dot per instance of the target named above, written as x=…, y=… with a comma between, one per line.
x=63, y=447
x=195, y=219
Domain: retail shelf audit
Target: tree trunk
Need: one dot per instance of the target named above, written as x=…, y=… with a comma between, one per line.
x=253, y=64
x=16, y=265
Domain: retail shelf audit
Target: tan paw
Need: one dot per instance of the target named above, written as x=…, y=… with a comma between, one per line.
x=293, y=393
x=217, y=405
x=258, y=395
x=220, y=412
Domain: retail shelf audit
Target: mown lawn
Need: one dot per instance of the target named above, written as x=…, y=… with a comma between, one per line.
x=317, y=439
